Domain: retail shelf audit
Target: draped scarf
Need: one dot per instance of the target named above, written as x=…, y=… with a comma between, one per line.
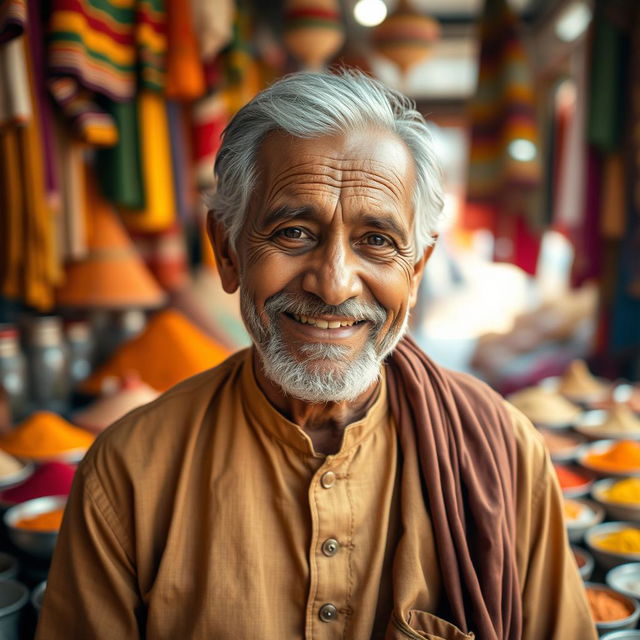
x=467, y=453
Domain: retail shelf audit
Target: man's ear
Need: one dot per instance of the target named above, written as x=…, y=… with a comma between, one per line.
x=226, y=257
x=418, y=271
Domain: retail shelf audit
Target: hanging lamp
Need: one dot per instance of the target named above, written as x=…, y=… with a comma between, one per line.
x=313, y=30
x=406, y=36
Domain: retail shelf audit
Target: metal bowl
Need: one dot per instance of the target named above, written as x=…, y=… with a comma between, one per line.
x=615, y=510
x=625, y=578
x=9, y=566
x=621, y=635
x=590, y=425
x=584, y=400
x=588, y=563
x=11, y=480
x=568, y=454
x=624, y=623
x=599, y=447
x=35, y=543
x=593, y=515
x=609, y=559
x=13, y=597
x=37, y=595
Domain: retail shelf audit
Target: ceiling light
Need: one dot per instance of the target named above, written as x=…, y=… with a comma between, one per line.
x=370, y=13
x=573, y=21
x=522, y=150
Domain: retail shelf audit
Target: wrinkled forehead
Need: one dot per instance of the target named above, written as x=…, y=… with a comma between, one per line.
x=372, y=161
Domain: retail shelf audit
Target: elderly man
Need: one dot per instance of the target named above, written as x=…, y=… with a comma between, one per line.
x=331, y=481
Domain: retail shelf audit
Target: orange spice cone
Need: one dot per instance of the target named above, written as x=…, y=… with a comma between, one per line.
x=112, y=274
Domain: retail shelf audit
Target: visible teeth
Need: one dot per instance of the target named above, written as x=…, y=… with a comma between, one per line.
x=324, y=324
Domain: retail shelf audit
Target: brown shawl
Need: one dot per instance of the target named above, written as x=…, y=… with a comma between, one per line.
x=467, y=454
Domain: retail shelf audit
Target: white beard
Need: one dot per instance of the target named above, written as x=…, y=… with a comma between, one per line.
x=329, y=372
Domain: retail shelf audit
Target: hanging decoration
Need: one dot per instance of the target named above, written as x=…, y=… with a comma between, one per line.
x=406, y=36
x=313, y=31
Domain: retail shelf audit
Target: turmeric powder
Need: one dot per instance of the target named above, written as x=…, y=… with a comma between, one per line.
x=45, y=435
x=48, y=521
x=626, y=491
x=625, y=540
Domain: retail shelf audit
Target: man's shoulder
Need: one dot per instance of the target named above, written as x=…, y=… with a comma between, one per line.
x=173, y=414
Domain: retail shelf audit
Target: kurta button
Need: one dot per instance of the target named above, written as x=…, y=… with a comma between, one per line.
x=328, y=612
x=330, y=547
x=328, y=479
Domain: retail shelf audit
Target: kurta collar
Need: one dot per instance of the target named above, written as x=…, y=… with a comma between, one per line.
x=265, y=415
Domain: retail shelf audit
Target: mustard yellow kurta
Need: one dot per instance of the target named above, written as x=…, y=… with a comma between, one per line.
x=207, y=514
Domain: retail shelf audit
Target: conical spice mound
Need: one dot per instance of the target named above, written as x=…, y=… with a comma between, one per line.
x=169, y=350
x=112, y=274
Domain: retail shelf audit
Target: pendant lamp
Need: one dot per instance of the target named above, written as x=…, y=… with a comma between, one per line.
x=112, y=274
x=406, y=36
x=313, y=30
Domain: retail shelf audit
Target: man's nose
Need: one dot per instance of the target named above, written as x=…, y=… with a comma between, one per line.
x=334, y=276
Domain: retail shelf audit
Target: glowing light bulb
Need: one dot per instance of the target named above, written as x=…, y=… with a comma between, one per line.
x=522, y=150
x=370, y=13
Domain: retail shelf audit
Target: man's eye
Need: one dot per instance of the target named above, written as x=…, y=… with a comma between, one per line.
x=377, y=240
x=292, y=233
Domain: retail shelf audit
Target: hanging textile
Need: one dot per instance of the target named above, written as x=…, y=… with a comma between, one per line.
x=29, y=266
x=606, y=84
x=504, y=164
x=159, y=211
x=213, y=22
x=119, y=168
x=95, y=49
x=185, y=74
x=13, y=17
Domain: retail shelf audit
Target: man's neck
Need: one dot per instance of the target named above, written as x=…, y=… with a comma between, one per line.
x=323, y=422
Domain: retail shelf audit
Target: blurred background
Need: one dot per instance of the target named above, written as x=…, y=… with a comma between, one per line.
x=110, y=119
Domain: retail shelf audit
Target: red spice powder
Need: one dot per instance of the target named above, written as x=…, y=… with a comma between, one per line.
x=49, y=479
x=568, y=478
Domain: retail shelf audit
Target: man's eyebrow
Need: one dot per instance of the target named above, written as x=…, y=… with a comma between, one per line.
x=385, y=223
x=286, y=212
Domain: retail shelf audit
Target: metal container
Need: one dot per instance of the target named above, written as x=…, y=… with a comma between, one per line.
x=81, y=351
x=48, y=365
x=13, y=598
x=36, y=543
x=13, y=372
x=37, y=596
x=9, y=566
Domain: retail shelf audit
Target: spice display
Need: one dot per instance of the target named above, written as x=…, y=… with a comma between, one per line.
x=606, y=606
x=544, y=406
x=49, y=479
x=45, y=435
x=578, y=383
x=48, y=521
x=621, y=457
x=560, y=443
x=9, y=466
x=579, y=558
x=577, y=513
x=569, y=478
x=625, y=540
x=106, y=410
x=620, y=420
x=169, y=350
x=626, y=491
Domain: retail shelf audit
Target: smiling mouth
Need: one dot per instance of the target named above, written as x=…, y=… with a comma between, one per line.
x=324, y=324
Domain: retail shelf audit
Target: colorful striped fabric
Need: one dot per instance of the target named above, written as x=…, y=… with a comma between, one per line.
x=502, y=111
x=13, y=18
x=99, y=48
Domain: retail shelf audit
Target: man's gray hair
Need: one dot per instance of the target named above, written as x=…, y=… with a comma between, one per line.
x=311, y=105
